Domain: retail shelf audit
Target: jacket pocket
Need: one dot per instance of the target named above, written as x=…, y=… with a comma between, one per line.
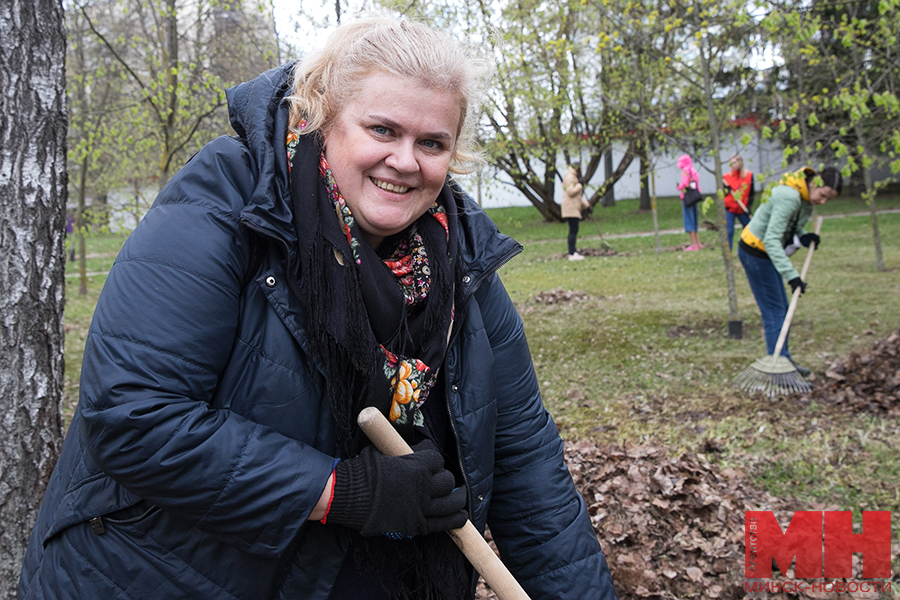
x=143, y=547
x=132, y=514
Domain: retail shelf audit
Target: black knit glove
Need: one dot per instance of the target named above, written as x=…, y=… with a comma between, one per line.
x=407, y=495
x=796, y=282
x=808, y=238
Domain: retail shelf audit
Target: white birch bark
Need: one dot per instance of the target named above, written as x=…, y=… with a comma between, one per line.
x=32, y=262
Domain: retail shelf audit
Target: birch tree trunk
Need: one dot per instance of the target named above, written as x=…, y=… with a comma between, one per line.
x=32, y=263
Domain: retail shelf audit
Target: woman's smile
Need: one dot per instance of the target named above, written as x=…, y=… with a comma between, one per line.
x=389, y=187
x=389, y=150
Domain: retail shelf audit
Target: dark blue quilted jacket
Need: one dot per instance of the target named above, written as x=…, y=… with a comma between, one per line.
x=202, y=440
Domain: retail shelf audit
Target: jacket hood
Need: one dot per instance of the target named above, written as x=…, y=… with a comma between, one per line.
x=684, y=162
x=798, y=181
x=259, y=115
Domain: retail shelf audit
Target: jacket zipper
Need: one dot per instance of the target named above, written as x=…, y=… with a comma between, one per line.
x=469, y=293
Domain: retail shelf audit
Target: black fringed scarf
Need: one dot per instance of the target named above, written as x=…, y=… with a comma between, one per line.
x=379, y=322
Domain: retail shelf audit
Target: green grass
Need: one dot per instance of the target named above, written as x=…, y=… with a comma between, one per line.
x=100, y=251
x=526, y=224
x=646, y=355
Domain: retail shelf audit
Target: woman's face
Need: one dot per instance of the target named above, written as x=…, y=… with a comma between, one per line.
x=389, y=149
x=822, y=194
x=737, y=163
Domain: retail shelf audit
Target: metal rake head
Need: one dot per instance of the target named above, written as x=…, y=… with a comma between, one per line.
x=773, y=376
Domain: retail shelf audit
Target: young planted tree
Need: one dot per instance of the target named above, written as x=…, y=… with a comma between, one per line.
x=32, y=262
x=714, y=53
x=95, y=138
x=639, y=49
x=163, y=50
x=172, y=59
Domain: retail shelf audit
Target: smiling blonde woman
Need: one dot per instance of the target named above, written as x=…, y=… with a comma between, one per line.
x=321, y=262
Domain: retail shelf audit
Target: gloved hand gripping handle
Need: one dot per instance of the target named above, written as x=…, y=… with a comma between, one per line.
x=795, y=297
x=470, y=542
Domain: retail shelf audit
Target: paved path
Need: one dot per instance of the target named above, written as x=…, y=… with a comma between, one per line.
x=89, y=274
x=587, y=235
x=588, y=232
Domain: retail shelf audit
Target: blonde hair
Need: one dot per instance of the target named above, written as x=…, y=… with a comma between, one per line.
x=737, y=156
x=326, y=80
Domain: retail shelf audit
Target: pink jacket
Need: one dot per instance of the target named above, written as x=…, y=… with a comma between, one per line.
x=688, y=173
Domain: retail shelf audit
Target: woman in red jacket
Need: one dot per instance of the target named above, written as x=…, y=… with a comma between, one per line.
x=738, y=195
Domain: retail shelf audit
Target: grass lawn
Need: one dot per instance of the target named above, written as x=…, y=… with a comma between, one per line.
x=643, y=353
x=645, y=356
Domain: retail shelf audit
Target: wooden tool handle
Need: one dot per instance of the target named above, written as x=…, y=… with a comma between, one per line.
x=796, y=296
x=472, y=544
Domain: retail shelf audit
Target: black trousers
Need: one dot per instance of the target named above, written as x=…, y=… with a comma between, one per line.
x=573, y=232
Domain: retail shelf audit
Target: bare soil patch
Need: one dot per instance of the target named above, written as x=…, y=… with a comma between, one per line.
x=561, y=296
x=703, y=329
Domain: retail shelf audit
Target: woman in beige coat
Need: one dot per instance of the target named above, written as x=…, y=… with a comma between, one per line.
x=573, y=205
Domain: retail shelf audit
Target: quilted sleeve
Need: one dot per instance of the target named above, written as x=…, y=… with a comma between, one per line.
x=161, y=334
x=539, y=521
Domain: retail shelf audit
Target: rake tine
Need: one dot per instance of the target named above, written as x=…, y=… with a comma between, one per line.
x=755, y=379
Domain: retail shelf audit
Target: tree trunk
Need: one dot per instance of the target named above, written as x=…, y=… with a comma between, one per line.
x=733, y=314
x=645, y=178
x=618, y=173
x=609, y=198
x=32, y=265
x=876, y=236
x=653, y=193
x=138, y=204
x=171, y=60
x=802, y=117
x=100, y=211
x=870, y=195
x=81, y=226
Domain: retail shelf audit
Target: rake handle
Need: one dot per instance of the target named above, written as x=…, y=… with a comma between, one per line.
x=472, y=544
x=795, y=298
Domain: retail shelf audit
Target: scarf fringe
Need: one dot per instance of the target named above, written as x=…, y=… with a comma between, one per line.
x=433, y=567
x=349, y=359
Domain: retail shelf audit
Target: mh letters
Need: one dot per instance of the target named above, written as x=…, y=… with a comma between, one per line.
x=822, y=543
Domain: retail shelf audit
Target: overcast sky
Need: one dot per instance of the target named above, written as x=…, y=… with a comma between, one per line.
x=308, y=32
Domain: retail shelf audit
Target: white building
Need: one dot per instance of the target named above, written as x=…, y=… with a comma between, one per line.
x=762, y=157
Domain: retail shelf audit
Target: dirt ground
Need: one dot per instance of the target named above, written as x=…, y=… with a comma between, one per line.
x=673, y=528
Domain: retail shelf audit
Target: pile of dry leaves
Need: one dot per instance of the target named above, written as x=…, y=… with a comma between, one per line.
x=868, y=381
x=674, y=527
x=560, y=295
x=670, y=527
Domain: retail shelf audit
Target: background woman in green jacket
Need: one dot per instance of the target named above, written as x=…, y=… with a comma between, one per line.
x=773, y=227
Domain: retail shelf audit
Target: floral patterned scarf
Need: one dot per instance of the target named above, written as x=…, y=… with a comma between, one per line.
x=397, y=298
x=379, y=324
